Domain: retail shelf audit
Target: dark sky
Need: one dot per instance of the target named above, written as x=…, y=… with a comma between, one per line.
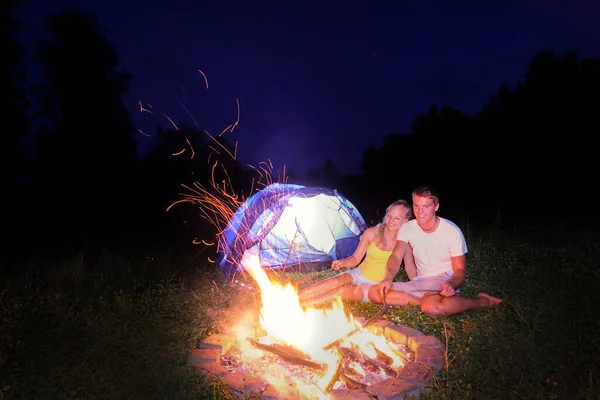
x=325, y=78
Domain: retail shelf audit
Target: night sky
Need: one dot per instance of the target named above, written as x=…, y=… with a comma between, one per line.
x=316, y=80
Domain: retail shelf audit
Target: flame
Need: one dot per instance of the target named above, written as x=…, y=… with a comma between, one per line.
x=310, y=330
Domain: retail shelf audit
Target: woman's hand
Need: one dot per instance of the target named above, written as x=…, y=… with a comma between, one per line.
x=336, y=265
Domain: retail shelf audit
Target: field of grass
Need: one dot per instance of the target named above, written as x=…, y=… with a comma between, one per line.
x=120, y=326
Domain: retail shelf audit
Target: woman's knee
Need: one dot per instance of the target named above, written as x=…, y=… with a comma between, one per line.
x=353, y=293
x=374, y=295
x=346, y=278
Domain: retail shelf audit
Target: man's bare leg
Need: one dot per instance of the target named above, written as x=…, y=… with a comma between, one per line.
x=325, y=286
x=435, y=304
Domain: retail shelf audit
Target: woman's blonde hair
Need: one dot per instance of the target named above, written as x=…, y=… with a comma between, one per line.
x=380, y=234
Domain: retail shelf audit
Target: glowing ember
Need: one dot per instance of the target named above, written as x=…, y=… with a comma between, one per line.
x=308, y=334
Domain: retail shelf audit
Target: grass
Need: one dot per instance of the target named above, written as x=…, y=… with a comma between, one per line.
x=121, y=326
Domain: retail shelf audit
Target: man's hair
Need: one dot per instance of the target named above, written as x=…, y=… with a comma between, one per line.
x=427, y=191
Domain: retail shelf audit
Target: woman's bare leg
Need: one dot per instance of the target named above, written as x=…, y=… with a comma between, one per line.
x=346, y=293
x=325, y=286
x=393, y=297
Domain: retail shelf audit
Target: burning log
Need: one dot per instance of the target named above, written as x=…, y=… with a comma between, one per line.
x=387, y=360
x=375, y=365
x=287, y=353
x=382, y=363
x=352, y=354
x=399, y=353
x=351, y=372
x=336, y=375
x=379, y=313
x=351, y=383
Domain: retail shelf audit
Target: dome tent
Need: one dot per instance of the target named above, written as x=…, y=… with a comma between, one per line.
x=291, y=226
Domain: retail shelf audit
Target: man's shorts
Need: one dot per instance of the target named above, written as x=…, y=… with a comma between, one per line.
x=421, y=286
x=360, y=280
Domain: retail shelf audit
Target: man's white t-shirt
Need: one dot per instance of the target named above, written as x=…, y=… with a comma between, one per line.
x=433, y=251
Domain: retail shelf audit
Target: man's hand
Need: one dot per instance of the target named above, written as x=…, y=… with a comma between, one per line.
x=384, y=287
x=339, y=264
x=446, y=289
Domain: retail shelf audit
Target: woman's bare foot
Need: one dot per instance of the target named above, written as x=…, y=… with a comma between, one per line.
x=489, y=300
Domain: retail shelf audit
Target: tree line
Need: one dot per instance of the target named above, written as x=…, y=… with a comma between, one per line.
x=71, y=173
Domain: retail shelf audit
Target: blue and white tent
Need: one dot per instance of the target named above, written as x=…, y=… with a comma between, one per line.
x=291, y=226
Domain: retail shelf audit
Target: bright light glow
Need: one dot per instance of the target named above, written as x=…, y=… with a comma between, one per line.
x=309, y=330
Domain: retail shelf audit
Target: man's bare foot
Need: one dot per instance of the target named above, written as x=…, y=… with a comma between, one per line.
x=489, y=300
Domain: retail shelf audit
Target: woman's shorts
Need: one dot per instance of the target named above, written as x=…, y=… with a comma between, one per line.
x=360, y=280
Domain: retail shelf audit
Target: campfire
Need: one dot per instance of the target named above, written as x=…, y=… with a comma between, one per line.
x=287, y=351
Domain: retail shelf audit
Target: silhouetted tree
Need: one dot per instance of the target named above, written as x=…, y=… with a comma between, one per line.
x=291, y=176
x=313, y=176
x=85, y=153
x=327, y=175
x=443, y=157
x=14, y=125
x=542, y=132
x=329, y=171
x=533, y=140
x=389, y=170
x=432, y=153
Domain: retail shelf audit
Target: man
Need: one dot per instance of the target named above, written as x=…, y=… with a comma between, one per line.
x=439, y=249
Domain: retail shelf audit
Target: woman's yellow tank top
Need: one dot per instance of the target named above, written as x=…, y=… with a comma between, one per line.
x=373, y=267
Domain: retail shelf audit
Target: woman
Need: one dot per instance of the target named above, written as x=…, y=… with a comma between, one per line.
x=359, y=284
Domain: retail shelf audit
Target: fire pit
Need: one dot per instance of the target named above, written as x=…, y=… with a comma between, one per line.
x=217, y=357
x=290, y=352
